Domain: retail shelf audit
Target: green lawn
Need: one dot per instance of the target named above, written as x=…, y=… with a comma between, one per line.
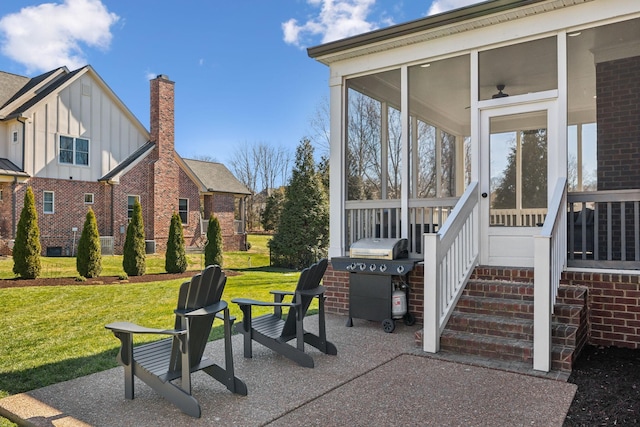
x=52, y=334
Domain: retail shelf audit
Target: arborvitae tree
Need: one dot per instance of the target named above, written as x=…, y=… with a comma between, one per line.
x=176, y=258
x=302, y=235
x=89, y=258
x=272, y=210
x=213, y=248
x=26, y=250
x=133, y=260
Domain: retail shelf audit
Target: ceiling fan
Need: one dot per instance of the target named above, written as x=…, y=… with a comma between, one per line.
x=500, y=94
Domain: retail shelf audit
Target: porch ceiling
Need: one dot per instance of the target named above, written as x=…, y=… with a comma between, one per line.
x=508, y=65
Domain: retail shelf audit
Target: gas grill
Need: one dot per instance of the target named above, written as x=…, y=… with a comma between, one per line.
x=378, y=270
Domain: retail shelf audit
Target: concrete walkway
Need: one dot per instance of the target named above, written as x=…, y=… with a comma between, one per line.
x=376, y=379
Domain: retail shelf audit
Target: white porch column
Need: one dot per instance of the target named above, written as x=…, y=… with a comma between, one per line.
x=337, y=177
x=404, y=170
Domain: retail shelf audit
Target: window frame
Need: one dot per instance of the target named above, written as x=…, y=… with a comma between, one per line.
x=92, y=198
x=183, y=213
x=130, y=211
x=45, y=202
x=74, y=151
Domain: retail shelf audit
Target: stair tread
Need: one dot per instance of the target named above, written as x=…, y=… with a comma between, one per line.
x=503, y=340
x=503, y=319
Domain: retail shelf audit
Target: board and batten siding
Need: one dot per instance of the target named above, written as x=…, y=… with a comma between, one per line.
x=83, y=109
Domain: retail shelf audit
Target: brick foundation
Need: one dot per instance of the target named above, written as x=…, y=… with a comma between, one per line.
x=613, y=300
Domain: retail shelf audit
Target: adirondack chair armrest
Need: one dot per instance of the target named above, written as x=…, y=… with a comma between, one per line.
x=204, y=311
x=282, y=293
x=132, y=328
x=315, y=292
x=246, y=301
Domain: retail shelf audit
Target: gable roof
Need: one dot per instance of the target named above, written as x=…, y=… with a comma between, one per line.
x=10, y=84
x=215, y=177
x=129, y=162
x=39, y=88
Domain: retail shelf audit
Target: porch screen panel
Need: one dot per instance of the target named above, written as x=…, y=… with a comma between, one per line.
x=439, y=97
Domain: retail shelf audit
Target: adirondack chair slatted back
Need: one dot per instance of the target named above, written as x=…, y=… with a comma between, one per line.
x=309, y=279
x=204, y=289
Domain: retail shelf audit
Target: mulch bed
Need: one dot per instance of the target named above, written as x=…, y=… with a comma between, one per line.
x=102, y=280
x=608, y=380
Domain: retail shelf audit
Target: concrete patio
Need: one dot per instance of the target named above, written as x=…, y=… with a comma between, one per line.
x=376, y=379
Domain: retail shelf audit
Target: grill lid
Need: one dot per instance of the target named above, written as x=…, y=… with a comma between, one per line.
x=379, y=248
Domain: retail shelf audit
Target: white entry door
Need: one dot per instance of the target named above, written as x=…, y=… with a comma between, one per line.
x=516, y=147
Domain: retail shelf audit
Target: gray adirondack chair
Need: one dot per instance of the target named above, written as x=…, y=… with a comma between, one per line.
x=275, y=333
x=159, y=363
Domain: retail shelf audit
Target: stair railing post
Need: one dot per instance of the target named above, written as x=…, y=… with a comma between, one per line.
x=431, y=333
x=542, y=304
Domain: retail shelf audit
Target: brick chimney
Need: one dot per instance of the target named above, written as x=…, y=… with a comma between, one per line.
x=165, y=169
x=162, y=114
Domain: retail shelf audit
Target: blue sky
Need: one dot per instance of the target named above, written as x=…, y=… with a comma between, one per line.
x=241, y=68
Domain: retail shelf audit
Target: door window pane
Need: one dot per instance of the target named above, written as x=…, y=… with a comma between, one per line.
x=518, y=156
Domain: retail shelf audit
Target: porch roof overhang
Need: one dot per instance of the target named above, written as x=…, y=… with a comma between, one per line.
x=10, y=172
x=432, y=27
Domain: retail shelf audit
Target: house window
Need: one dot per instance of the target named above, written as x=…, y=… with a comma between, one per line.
x=88, y=198
x=183, y=210
x=131, y=200
x=0, y=195
x=48, y=202
x=74, y=151
x=14, y=137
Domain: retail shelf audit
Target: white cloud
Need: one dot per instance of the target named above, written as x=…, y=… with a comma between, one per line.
x=51, y=35
x=337, y=19
x=439, y=6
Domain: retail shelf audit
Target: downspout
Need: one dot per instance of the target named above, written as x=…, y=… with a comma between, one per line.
x=14, y=209
x=23, y=120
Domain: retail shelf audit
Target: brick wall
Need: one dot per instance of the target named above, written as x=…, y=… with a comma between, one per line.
x=618, y=112
x=69, y=210
x=614, y=307
x=223, y=207
x=336, y=283
x=6, y=218
x=189, y=190
x=136, y=182
x=614, y=299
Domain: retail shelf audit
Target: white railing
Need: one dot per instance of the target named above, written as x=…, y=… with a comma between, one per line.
x=449, y=259
x=383, y=219
x=550, y=248
x=517, y=217
x=604, y=229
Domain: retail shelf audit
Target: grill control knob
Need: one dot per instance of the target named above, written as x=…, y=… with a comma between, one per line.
x=383, y=268
x=352, y=266
x=400, y=269
x=372, y=267
x=362, y=266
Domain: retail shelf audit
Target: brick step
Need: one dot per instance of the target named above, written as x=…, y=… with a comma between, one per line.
x=499, y=289
x=493, y=306
x=522, y=291
x=500, y=348
x=516, y=328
